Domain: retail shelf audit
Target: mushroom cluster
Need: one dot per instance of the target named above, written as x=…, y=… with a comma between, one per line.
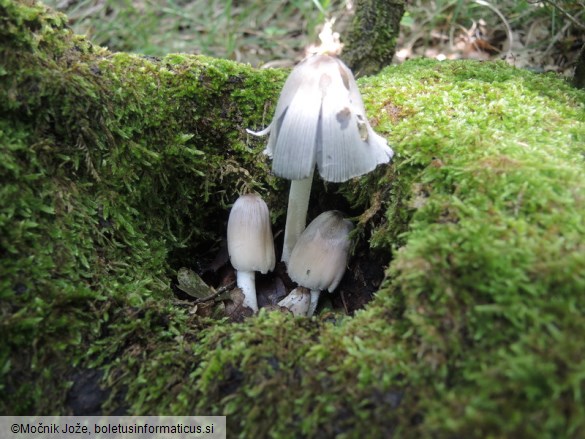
x=320, y=121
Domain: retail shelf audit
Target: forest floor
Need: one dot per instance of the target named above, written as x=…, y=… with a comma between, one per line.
x=539, y=35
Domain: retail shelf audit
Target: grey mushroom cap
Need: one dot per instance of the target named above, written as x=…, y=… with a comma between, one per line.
x=249, y=235
x=319, y=258
x=320, y=119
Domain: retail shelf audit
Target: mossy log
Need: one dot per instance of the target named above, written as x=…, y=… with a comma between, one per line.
x=371, y=40
x=117, y=168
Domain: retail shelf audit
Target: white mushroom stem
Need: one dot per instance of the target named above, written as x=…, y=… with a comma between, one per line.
x=296, y=214
x=314, y=301
x=246, y=282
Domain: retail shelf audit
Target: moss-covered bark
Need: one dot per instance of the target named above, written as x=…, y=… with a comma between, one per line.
x=114, y=167
x=371, y=41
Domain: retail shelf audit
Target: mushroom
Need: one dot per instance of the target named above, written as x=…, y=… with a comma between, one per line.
x=298, y=301
x=319, y=257
x=250, y=244
x=320, y=119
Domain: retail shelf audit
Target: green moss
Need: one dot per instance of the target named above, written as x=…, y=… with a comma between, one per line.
x=115, y=168
x=94, y=147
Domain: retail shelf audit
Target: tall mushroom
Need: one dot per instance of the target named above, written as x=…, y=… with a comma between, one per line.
x=250, y=244
x=320, y=119
x=319, y=258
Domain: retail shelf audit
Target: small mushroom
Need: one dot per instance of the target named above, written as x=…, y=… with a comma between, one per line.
x=298, y=301
x=250, y=244
x=319, y=258
x=320, y=119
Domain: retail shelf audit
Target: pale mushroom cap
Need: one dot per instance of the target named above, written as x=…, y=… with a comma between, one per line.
x=320, y=119
x=249, y=235
x=319, y=257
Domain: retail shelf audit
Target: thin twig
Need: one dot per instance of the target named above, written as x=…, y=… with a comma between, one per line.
x=506, y=24
x=556, y=38
x=220, y=291
x=566, y=14
x=343, y=301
